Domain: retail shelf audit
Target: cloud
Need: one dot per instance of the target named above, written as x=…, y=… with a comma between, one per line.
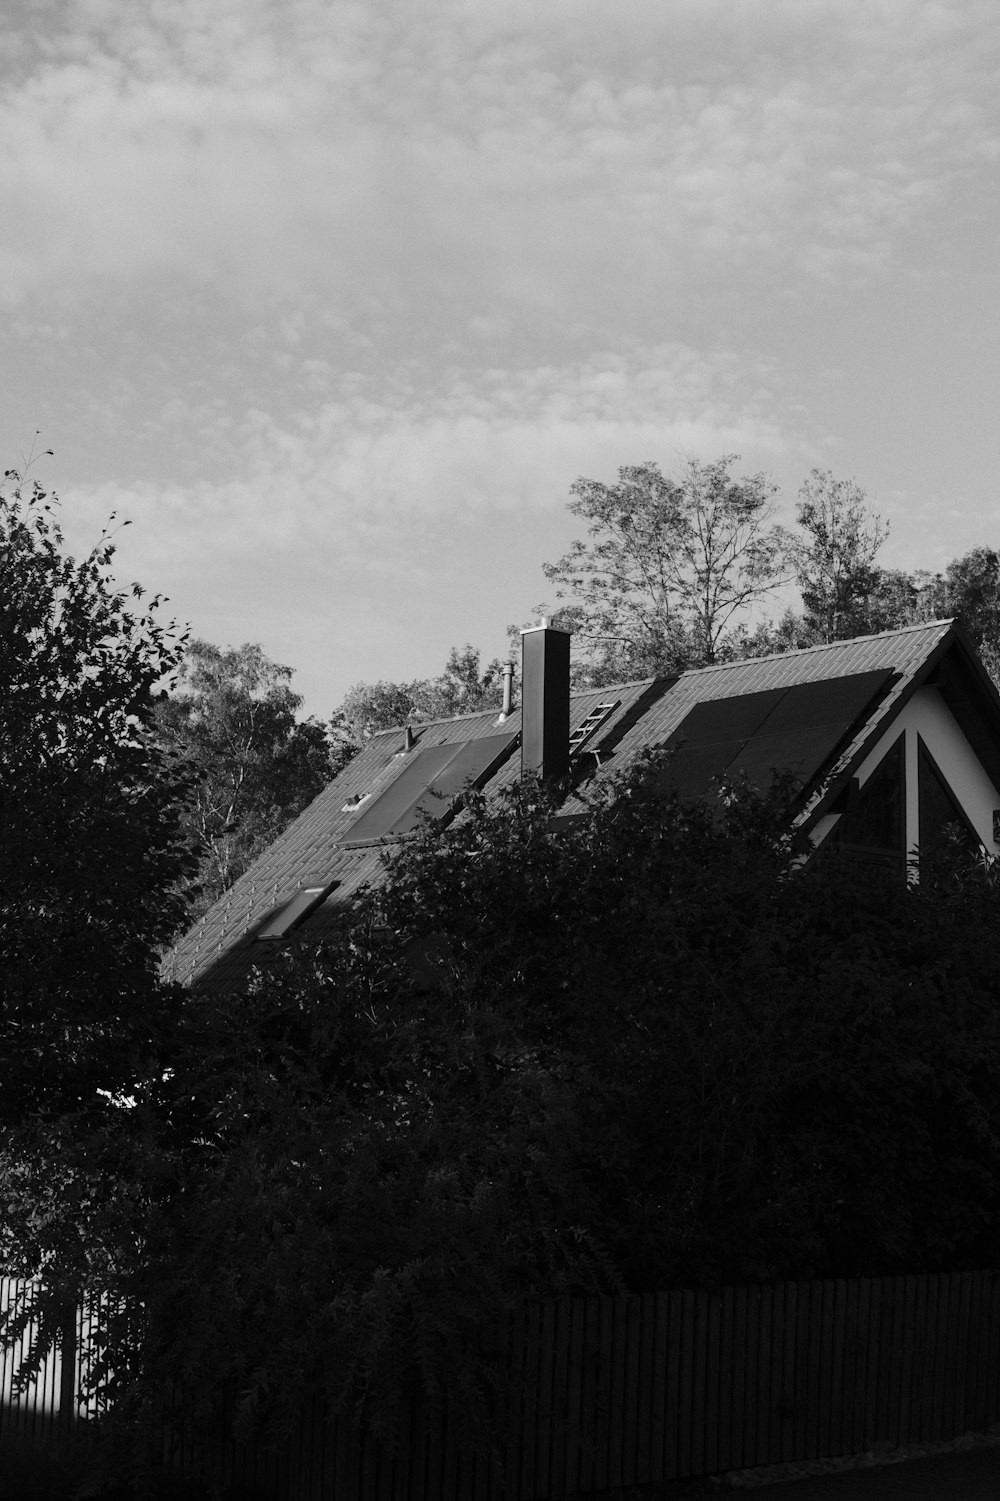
x=424, y=153
x=387, y=463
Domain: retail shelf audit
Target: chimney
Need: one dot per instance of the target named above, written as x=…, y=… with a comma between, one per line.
x=508, y=689
x=545, y=701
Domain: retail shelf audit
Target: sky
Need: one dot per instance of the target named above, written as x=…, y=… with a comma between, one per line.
x=333, y=300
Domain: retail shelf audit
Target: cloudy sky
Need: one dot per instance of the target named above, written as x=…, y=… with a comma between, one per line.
x=334, y=299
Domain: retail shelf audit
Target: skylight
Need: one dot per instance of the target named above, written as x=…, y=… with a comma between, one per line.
x=295, y=911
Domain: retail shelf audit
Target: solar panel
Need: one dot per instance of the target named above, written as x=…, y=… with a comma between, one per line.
x=415, y=775
x=802, y=753
x=692, y=768
x=793, y=730
x=806, y=726
x=474, y=762
x=834, y=701
x=726, y=719
x=428, y=784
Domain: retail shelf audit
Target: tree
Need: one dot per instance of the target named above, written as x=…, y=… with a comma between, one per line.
x=835, y=563
x=233, y=717
x=92, y=868
x=464, y=687
x=670, y=565
x=969, y=590
x=90, y=846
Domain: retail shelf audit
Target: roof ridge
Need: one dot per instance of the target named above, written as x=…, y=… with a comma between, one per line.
x=801, y=651
x=774, y=656
x=418, y=724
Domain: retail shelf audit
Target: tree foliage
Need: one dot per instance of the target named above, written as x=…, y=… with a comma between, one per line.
x=90, y=847
x=835, y=561
x=464, y=687
x=668, y=566
x=233, y=717
x=969, y=590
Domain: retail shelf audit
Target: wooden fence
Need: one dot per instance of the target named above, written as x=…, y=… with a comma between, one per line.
x=620, y=1391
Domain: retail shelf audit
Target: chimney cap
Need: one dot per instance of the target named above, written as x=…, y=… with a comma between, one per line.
x=545, y=625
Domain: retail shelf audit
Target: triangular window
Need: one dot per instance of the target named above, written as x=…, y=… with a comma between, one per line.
x=941, y=815
x=873, y=829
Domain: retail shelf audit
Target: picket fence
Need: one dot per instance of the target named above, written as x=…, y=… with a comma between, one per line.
x=606, y=1392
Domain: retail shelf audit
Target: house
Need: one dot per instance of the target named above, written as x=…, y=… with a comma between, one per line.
x=890, y=739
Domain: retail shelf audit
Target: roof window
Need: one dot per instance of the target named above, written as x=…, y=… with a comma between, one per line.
x=302, y=904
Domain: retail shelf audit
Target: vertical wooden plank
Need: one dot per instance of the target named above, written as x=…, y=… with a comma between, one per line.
x=971, y=1346
x=544, y=1425
x=751, y=1408
x=658, y=1390
x=918, y=1407
x=961, y=1415
x=988, y=1343
x=814, y=1423
x=958, y=1330
x=835, y=1443
x=685, y=1389
x=939, y=1364
x=584, y=1446
x=579, y=1437
x=452, y=1443
x=560, y=1384
x=312, y=1469
x=630, y=1399
x=700, y=1383
x=894, y=1346
x=69, y=1350
x=741, y=1387
x=767, y=1447
x=953, y=1398
x=724, y=1402
x=601, y=1466
x=644, y=1399
x=400, y=1490
x=711, y=1387
x=905, y=1426
x=849, y=1366
x=787, y=1383
x=819, y=1368
x=513, y=1393
x=619, y=1359
x=671, y=1413
x=574, y=1428
x=886, y=1356
x=527, y=1449
x=979, y=1346
x=859, y=1362
x=873, y=1361
x=800, y=1372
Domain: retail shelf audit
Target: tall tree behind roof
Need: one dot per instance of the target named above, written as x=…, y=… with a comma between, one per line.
x=233, y=717
x=669, y=567
x=969, y=589
x=835, y=561
x=464, y=687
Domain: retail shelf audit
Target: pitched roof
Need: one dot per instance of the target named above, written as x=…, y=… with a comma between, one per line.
x=316, y=849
